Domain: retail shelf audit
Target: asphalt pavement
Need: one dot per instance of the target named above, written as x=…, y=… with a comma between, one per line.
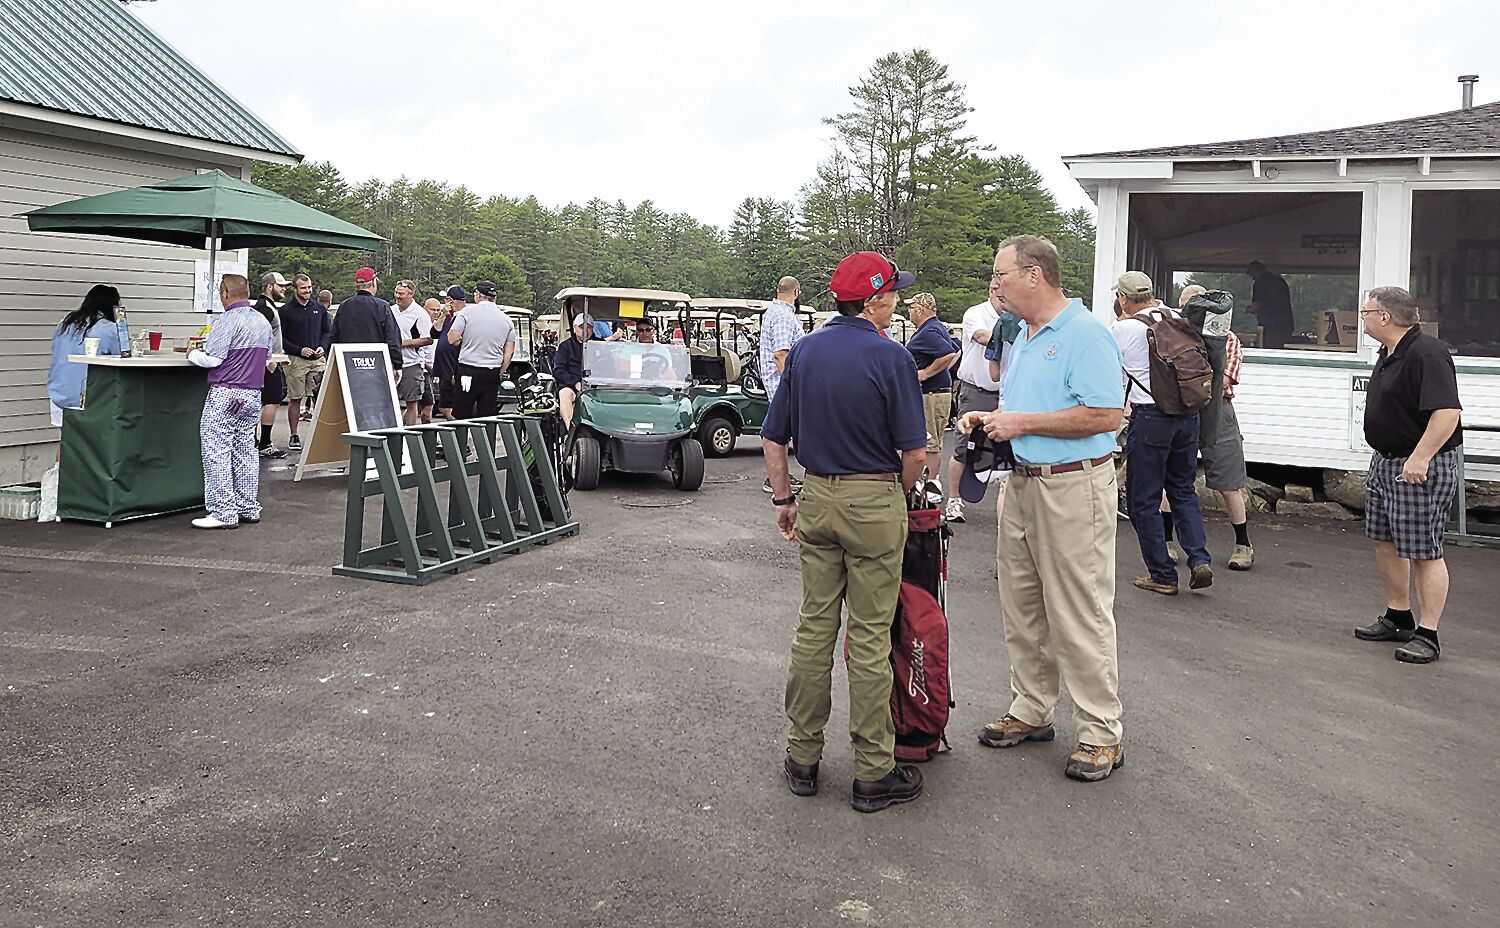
x=211, y=729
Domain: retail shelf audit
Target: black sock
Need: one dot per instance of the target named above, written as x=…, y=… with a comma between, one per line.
x=1241, y=534
x=1429, y=633
x=1401, y=618
x=265, y=435
x=1166, y=524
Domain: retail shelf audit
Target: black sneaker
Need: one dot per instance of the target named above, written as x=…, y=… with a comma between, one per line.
x=902, y=784
x=294, y=443
x=767, y=486
x=1419, y=650
x=271, y=451
x=1383, y=629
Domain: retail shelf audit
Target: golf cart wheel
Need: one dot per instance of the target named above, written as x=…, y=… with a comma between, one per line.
x=717, y=436
x=585, y=462
x=687, y=465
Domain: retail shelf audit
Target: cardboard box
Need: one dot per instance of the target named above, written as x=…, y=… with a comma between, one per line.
x=1339, y=327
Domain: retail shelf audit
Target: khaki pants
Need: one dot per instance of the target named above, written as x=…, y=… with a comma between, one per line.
x=852, y=533
x=1056, y=561
x=937, y=408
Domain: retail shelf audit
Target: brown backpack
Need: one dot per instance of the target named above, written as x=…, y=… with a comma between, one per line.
x=1182, y=380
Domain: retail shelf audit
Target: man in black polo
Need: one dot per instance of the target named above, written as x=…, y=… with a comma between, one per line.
x=1412, y=422
x=850, y=400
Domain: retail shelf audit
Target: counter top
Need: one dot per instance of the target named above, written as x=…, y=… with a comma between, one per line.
x=150, y=359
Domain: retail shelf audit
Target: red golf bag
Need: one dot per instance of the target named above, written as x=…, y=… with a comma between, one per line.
x=921, y=695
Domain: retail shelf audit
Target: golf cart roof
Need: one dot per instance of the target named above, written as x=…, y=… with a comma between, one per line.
x=515, y=310
x=624, y=293
x=753, y=306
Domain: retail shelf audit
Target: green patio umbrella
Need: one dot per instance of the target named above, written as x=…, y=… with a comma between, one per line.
x=230, y=213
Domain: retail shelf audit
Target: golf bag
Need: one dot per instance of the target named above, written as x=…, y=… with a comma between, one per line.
x=536, y=399
x=921, y=694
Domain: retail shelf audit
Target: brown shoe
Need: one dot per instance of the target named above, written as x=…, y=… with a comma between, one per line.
x=1165, y=589
x=802, y=779
x=1203, y=576
x=1094, y=762
x=902, y=784
x=1009, y=731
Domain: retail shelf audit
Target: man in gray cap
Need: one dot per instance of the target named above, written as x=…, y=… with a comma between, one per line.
x=567, y=365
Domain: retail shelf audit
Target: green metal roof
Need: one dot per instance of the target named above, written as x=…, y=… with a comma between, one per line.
x=94, y=58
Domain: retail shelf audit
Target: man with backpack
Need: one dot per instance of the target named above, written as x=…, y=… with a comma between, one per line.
x=1169, y=379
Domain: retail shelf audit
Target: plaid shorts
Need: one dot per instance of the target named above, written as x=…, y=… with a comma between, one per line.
x=1412, y=516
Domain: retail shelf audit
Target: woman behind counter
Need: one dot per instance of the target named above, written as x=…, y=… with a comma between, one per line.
x=94, y=319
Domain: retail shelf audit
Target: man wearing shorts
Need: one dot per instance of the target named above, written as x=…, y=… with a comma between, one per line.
x=436, y=315
x=305, y=333
x=415, y=327
x=977, y=388
x=1224, y=460
x=273, y=389
x=1412, y=421
x=934, y=352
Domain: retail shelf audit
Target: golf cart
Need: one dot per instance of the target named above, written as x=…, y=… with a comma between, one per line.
x=728, y=398
x=633, y=413
x=523, y=364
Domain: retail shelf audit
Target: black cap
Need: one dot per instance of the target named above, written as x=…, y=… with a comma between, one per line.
x=485, y=287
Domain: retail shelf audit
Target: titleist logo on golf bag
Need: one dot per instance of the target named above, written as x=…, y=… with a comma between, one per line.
x=916, y=675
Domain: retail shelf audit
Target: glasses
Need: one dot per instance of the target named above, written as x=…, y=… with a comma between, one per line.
x=1000, y=275
x=1380, y=312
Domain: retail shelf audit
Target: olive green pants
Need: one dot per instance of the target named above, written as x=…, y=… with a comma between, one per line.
x=852, y=533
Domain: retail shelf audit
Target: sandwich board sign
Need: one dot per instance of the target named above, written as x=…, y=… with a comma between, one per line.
x=358, y=395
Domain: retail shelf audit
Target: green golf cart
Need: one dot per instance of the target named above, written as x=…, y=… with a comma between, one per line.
x=728, y=400
x=633, y=413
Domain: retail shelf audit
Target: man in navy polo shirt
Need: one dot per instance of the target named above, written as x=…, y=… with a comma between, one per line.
x=850, y=400
x=1064, y=395
x=935, y=352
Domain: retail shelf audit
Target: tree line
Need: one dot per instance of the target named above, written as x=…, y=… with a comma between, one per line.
x=905, y=178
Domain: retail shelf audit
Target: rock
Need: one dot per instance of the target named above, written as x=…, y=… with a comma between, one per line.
x=1208, y=500
x=1326, y=509
x=1265, y=491
x=1346, y=487
x=1254, y=502
x=1481, y=494
x=1298, y=494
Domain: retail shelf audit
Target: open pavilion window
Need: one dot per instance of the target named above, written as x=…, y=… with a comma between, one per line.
x=1312, y=239
x=1455, y=267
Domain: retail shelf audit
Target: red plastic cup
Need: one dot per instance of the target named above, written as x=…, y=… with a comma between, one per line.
x=155, y=338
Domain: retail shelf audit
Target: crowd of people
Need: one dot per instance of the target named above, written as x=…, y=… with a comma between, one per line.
x=1084, y=407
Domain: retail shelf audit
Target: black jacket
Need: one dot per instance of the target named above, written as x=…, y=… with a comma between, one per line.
x=567, y=364
x=365, y=319
x=304, y=327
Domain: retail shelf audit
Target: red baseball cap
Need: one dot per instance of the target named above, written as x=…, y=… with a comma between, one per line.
x=866, y=273
x=364, y=275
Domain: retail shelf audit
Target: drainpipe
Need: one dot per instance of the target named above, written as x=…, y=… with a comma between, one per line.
x=1468, y=80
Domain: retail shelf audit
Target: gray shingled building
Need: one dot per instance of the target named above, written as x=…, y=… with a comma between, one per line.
x=92, y=101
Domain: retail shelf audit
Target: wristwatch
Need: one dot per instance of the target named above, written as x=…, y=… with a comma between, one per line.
x=783, y=501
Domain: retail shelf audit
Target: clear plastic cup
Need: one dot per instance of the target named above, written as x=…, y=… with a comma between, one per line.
x=91, y=347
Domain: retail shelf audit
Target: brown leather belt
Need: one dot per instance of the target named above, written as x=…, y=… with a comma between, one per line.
x=885, y=478
x=1047, y=470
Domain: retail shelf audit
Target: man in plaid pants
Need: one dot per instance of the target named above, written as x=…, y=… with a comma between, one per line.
x=237, y=355
x=1412, y=422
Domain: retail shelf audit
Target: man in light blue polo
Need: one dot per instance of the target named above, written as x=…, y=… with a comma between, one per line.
x=1064, y=396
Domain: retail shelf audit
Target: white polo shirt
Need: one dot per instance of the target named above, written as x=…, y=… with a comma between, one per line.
x=972, y=364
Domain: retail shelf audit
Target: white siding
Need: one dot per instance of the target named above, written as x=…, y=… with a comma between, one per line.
x=44, y=275
x=1301, y=414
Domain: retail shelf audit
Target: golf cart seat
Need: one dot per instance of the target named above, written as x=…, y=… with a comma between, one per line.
x=708, y=365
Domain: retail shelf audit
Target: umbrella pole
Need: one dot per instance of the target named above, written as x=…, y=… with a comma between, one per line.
x=213, y=261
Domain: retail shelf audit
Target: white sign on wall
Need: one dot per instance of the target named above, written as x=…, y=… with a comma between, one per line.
x=1359, y=391
x=205, y=291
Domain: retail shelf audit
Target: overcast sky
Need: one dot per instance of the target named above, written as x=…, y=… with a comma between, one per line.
x=697, y=105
